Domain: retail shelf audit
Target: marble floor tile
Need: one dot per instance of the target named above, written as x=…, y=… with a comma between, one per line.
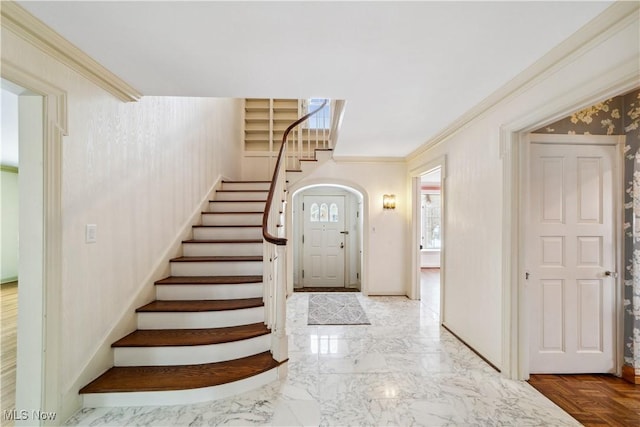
x=402, y=370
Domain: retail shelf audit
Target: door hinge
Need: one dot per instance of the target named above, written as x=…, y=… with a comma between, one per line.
x=357, y=275
x=303, y=206
x=303, y=274
x=303, y=238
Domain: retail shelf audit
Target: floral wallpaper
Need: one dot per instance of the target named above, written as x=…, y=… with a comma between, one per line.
x=619, y=116
x=604, y=118
x=632, y=222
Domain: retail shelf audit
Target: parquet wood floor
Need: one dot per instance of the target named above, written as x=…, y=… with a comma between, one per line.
x=8, y=346
x=593, y=400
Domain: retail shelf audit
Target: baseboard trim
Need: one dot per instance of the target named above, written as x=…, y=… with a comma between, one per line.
x=630, y=375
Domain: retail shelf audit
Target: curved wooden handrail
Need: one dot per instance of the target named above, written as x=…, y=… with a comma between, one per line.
x=267, y=209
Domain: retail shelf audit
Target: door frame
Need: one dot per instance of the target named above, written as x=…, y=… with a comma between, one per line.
x=515, y=359
x=294, y=194
x=416, y=173
x=616, y=141
x=41, y=340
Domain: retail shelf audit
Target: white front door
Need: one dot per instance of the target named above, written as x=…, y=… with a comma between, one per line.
x=323, y=241
x=571, y=258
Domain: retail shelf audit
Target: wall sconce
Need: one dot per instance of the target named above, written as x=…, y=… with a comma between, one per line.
x=389, y=201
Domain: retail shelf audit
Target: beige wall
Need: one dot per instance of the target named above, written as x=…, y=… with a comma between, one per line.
x=138, y=171
x=384, y=270
x=9, y=219
x=9, y=188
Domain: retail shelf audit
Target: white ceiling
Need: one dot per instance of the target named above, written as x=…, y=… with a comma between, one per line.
x=406, y=69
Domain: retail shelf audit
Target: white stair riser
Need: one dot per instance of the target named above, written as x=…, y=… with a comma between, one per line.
x=213, y=233
x=246, y=185
x=180, y=397
x=217, y=268
x=232, y=219
x=256, y=206
x=241, y=195
x=190, y=355
x=196, y=292
x=200, y=319
x=222, y=249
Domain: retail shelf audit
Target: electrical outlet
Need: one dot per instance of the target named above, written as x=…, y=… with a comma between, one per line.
x=91, y=233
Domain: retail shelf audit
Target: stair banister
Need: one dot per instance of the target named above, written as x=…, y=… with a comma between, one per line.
x=274, y=255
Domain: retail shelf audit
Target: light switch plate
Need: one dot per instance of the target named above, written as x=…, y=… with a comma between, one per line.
x=91, y=233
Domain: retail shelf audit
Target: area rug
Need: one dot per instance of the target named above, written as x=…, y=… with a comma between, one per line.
x=336, y=309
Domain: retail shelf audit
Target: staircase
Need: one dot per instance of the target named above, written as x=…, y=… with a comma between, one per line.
x=204, y=337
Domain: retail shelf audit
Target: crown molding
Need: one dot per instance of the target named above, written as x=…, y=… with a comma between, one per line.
x=613, y=19
x=37, y=33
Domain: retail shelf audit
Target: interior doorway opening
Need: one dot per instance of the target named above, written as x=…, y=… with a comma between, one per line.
x=22, y=244
x=430, y=238
x=327, y=238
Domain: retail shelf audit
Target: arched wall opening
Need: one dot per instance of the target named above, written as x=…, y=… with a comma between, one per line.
x=351, y=236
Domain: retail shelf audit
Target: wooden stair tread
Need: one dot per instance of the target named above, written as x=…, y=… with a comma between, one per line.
x=228, y=226
x=222, y=241
x=190, y=337
x=245, y=182
x=208, y=280
x=234, y=201
x=242, y=191
x=181, y=377
x=238, y=258
x=200, y=305
x=233, y=213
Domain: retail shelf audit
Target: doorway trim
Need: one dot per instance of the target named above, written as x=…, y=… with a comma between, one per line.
x=515, y=339
x=364, y=226
x=416, y=173
x=45, y=335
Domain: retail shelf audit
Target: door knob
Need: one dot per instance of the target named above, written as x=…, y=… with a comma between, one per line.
x=611, y=274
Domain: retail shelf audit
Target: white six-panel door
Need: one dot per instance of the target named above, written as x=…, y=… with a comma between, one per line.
x=571, y=258
x=323, y=246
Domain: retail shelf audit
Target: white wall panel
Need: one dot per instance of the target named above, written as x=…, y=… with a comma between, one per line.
x=552, y=315
x=589, y=191
x=553, y=190
x=590, y=315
